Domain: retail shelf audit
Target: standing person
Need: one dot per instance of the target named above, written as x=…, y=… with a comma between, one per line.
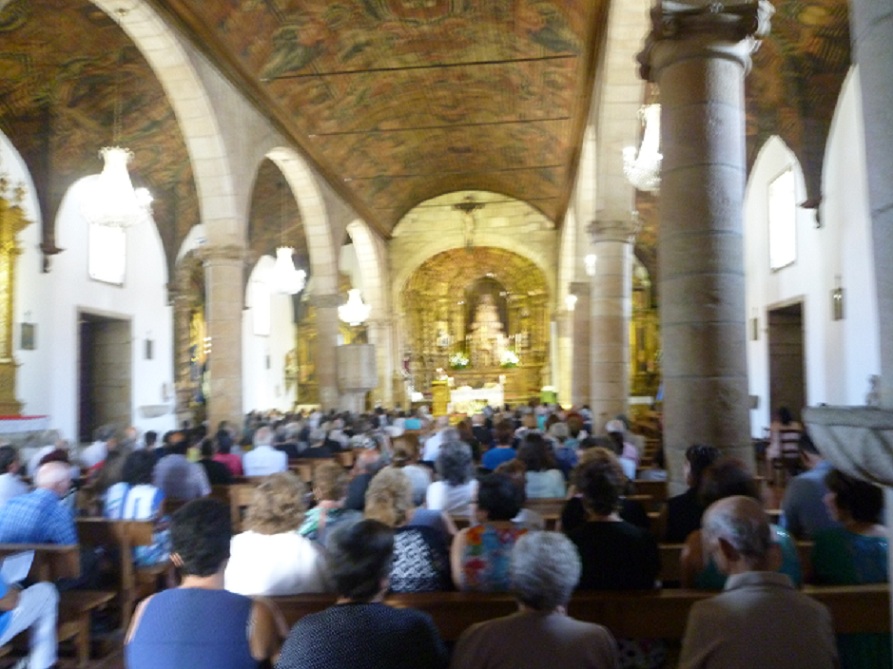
x=545, y=568
x=760, y=619
x=360, y=630
x=200, y=624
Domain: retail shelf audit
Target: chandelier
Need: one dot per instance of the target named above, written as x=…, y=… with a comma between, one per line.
x=642, y=168
x=354, y=312
x=113, y=201
x=286, y=278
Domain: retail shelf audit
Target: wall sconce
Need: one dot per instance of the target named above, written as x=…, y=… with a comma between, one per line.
x=837, y=304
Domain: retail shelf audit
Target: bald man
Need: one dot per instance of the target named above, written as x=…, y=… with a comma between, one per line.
x=760, y=619
x=38, y=517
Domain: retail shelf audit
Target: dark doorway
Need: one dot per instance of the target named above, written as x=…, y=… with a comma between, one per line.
x=787, y=381
x=104, y=375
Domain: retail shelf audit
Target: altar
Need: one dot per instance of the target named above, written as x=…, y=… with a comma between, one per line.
x=468, y=400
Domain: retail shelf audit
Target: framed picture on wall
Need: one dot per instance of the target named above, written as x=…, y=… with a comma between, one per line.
x=28, y=337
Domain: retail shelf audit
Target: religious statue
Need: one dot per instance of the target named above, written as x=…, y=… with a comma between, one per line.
x=487, y=341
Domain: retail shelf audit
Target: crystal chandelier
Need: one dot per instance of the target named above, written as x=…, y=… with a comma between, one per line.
x=286, y=278
x=354, y=311
x=642, y=169
x=113, y=201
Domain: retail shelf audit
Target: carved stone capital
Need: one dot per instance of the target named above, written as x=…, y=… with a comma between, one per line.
x=221, y=255
x=327, y=301
x=613, y=231
x=717, y=29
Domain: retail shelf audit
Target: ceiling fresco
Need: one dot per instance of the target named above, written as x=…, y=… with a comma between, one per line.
x=404, y=100
x=61, y=63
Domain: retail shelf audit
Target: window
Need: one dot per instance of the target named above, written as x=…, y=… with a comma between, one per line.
x=782, y=220
x=107, y=253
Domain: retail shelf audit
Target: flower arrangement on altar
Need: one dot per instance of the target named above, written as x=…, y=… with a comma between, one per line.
x=509, y=359
x=458, y=360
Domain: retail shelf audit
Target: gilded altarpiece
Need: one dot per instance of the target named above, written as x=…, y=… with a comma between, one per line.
x=12, y=221
x=478, y=316
x=644, y=337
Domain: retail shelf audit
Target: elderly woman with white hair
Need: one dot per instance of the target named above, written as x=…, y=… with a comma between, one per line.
x=545, y=568
x=457, y=487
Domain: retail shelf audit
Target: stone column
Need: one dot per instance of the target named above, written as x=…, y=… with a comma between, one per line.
x=699, y=54
x=609, y=318
x=224, y=288
x=381, y=336
x=580, y=354
x=326, y=345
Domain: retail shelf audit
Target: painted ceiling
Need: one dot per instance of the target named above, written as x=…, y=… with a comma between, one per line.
x=394, y=101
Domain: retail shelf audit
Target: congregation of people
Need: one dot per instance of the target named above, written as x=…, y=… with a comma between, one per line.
x=427, y=504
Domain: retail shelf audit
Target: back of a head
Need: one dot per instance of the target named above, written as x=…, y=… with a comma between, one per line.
x=53, y=475
x=389, y=498
x=263, y=436
x=277, y=505
x=8, y=456
x=138, y=468
x=601, y=480
x=534, y=453
x=330, y=481
x=545, y=569
x=740, y=521
x=784, y=416
x=806, y=445
x=455, y=462
x=861, y=500
x=699, y=457
x=500, y=496
x=150, y=438
x=207, y=447
x=359, y=559
x=505, y=432
x=727, y=477
x=200, y=536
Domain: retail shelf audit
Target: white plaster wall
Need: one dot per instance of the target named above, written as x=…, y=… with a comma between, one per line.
x=838, y=355
x=48, y=376
x=264, y=388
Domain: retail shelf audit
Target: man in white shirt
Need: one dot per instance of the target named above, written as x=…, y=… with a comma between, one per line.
x=263, y=459
x=431, y=449
x=10, y=483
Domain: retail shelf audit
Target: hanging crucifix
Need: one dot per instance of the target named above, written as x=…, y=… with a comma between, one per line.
x=468, y=206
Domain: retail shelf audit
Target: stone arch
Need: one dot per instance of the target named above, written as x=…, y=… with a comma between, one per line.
x=370, y=257
x=162, y=49
x=323, y=257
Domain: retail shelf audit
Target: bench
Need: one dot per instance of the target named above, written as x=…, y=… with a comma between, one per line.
x=641, y=614
x=51, y=563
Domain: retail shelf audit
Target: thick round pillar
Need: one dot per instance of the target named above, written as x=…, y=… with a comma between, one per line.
x=699, y=55
x=609, y=318
x=224, y=288
x=580, y=351
x=326, y=344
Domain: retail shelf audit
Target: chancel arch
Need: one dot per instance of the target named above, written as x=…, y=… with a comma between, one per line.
x=480, y=315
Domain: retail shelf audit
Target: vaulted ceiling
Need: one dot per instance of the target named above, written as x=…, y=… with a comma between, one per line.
x=393, y=101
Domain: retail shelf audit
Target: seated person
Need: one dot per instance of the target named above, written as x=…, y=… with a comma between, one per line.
x=135, y=498
x=479, y=555
x=544, y=479
x=725, y=478
x=360, y=630
x=217, y=472
x=853, y=554
x=225, y=455
x=200, y=624
x=179, y=478
x=421, y=558
x=545, y=568
x=34, y=608
x=503, y=450
x=270, y=557
x=38, y=517
x=456, y=489
x=682, y=513
x=330, y=491
x=10, y=483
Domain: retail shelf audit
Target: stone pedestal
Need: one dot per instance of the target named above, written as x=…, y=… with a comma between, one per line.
x=609, y=318
x=357, y=375
x=699, y=54
x=224, y=275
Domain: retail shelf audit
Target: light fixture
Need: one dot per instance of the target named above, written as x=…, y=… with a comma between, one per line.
x=112, y=200
x=642, y=168
x=589, y=263
x=570, y=302
x=354, y=311
x=287, y=279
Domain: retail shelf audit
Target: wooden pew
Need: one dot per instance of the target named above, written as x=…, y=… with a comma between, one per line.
x=239, y=498
x=640, y=614
x=657, y=490
x=671, y=555
x=51, y=563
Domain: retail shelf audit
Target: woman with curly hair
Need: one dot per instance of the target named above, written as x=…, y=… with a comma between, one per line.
x=330, y=490
x=270, y=557
x=421, y=558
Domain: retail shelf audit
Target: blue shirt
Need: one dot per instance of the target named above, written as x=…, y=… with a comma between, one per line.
x=5, y=616
x=803, y=509
x=496, y=456
x=37, y=518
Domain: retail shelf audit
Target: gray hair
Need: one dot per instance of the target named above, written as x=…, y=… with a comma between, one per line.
x=545, y=569
x=263, y=436
x=741, y=522
x=52, y=474
x=455, y=463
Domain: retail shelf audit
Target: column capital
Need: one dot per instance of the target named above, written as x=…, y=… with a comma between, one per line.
x=580, y=288
x=221, y=255
x=713, y=28
x=613, y=231
x=327, y=300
